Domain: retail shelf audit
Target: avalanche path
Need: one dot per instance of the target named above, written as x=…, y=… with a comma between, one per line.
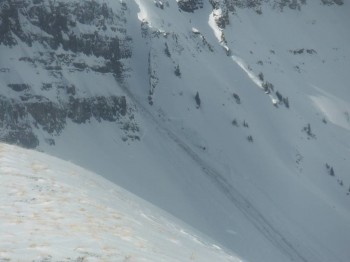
x=284, y=242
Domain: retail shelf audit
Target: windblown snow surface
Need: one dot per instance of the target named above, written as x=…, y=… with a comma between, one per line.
x=52, y=210
x=261, y=165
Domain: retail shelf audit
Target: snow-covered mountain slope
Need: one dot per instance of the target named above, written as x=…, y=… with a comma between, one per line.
x=231, y=115
x=52, y=210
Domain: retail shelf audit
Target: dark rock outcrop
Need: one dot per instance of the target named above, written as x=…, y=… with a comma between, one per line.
x=71, y=37
x=57, y=22
x=190, y=5
x=19, y=120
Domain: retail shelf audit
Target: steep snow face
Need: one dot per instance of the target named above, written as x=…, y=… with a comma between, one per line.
x=236, y=116
x=52, y=210
x=269, y=127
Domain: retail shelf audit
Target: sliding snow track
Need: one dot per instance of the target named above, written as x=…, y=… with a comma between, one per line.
x=283, y=242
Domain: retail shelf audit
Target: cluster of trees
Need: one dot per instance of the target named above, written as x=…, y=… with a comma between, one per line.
x=331, y=172
x=307, y=130
x=282, y=99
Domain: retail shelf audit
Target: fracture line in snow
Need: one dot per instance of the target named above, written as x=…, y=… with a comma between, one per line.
x=253, y=215
x=239, y=61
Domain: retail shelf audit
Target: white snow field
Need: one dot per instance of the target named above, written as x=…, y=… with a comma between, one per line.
x=52, y=210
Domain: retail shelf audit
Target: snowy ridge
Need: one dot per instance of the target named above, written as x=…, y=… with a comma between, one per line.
x=52, y=210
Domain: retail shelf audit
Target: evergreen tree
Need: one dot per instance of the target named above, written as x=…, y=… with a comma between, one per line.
x=198, y=100
x=177, y=71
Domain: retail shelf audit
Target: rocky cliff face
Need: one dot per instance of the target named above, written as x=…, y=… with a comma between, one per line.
x=20, y=117
x=228, y=6
x=190, y=5
x=58, y=42
x=61, y=40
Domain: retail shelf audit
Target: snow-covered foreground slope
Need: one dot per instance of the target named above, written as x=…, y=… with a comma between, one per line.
x=52, y=210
